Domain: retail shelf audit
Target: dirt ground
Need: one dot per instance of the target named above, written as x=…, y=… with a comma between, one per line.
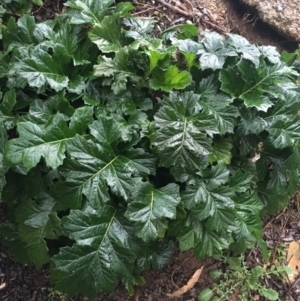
x=19, y=283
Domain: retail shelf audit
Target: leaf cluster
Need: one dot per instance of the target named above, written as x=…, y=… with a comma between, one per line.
x=115, y=145
x=242, y=282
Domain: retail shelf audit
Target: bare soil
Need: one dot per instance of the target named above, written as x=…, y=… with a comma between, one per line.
x=19, y=283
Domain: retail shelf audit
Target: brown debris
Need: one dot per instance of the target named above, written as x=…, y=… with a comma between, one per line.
x=191, y=283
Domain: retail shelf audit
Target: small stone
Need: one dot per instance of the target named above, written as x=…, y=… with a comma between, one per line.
x=279, y=7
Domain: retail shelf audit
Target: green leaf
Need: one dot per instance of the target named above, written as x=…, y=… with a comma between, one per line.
x=107, y=35
x=285, y=134
x=130, y=127
x=253, y=85
x=26, y=32
x=123, y=9
x=7, y=105
x=184, y=31
x=121, y=69
x=189, y=235
x=180, y=139
x=282, y=175
x=3, y=165
x=81, y=119
x=221, y=221
x=89, y=11
x=188, y=46
x=76, y=84
x=257, y=272
x=105, y=67
x=214, y=176
x=210, y=243
x=171, y=79
x=217, y=104
x=41, y=111
x=39, y=69
x=207, y=199
x=48, y=141
x=102, y=255
x=205, y=295
x=248, y=203
x=273, y=202
x=11, y=239
x=247, y=232
x=150, y=204
x=249, y=51
x=284, y=109
x=93, y=167
x=70, y=41
x=269, y=293
x=38, y=2
x=270, y=53
x=215, y=274
x=224, y=113
x=37, y=222
x=221, y=151
x=216, y=51
x=155, y=56
x=251, y=123
x=156, y=255
x=240, y=181
x=139, y=29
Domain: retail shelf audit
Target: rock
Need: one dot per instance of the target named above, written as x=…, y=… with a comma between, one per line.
x=283, y=15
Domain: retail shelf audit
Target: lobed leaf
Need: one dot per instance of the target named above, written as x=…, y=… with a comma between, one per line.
x=150, y=205
x=89, y=11
x=93, y=167
x=181, y=138
x=171, y=79
x=101, y=256
x=38, y=69
x=36, y=141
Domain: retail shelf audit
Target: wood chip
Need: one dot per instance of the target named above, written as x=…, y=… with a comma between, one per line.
x=293, y=259
x=188, y=286
x=2, y=285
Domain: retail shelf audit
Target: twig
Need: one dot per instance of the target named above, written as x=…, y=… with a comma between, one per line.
x=174, y=8
x=143, y=11
x=37, y=10
x=150, y=7
x=136, y=295
x=214, y=26
x=177, y=269
x=273, y=219
x=291, y=287
x=189, y=5
x=191, y=15
x=278, y=242
x=144, y=18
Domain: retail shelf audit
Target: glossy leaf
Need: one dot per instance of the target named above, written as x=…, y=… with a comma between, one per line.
x=249, y=82
x=216, y=51
x=101, y=256
x=89, y=11
x=181, y=137
x=171, y=79
x=150, y=204
x=95, y=167
x=36, y=141
x=107, y=35
x=39, y=70
x=38, y=221
x=3, y=165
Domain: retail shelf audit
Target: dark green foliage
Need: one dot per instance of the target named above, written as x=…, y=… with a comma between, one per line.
x=118, y=145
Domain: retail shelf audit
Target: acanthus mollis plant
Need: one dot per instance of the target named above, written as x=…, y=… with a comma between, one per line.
x=116, y=145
